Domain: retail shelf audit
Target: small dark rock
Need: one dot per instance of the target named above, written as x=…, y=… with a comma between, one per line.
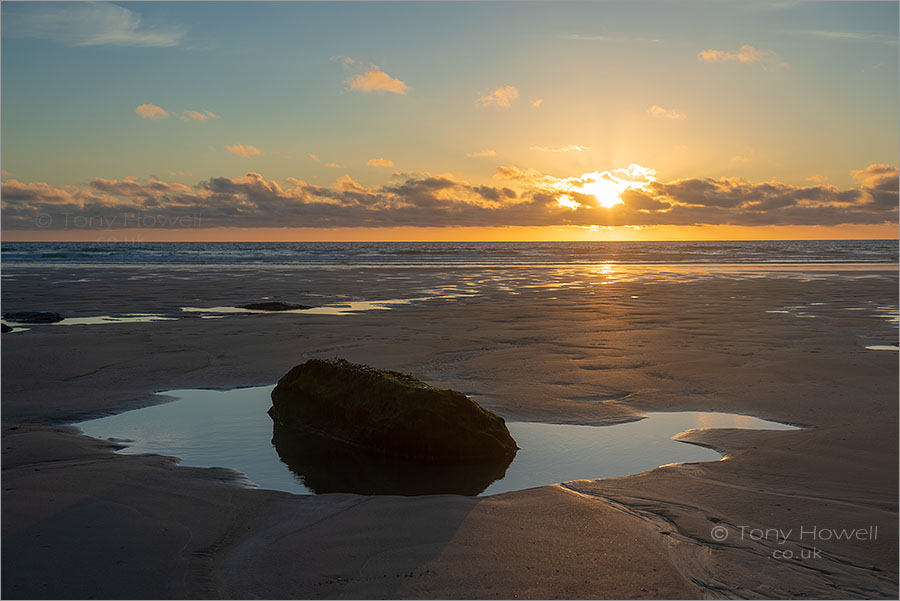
x=389, y=413
x=274, y=306
x=33, y=317
x=5, y=328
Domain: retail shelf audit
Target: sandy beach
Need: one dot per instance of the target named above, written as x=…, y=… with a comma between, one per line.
x=450, y=300
x=576, y=345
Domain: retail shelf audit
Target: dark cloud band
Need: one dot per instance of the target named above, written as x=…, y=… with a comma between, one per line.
x=526, y=198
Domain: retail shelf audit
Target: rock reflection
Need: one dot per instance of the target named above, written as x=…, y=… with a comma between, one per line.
x=327, y=466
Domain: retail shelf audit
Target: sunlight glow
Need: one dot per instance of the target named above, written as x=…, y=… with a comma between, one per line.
x=607, y=186
x=565, y=200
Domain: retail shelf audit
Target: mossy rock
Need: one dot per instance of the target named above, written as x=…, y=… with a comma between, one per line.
x=388, y=413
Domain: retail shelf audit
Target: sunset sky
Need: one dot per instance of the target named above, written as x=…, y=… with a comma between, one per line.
x=418, y=121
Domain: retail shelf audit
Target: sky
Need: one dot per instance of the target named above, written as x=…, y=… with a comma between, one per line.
x=449, y=121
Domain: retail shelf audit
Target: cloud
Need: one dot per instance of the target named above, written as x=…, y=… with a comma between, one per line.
x=570, y=148
x=370, y=78
x=862, y=36
x=512, y=172
x=151, y=111
x=314, y=157
x=878, y=176
x=661, y=113
x=746, y=55
x=198, y=115
x=333, y=165
x=380, y=163
x=606, y=38
x=586, y=38
x=375, y=80
x=537, y=103
x=86, y=24
x=483, y=153
x=519, y=196
x=244, y=150
x=817, y=179
x=502, y=96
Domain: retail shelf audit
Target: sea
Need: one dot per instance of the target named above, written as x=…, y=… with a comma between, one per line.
x=765, y=252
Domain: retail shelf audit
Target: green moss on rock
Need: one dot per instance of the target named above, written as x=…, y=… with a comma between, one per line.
x=388, y=413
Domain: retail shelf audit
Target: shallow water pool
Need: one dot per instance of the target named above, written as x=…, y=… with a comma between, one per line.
x=231, y=429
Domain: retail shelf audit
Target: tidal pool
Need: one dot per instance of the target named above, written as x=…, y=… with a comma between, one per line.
x=231, y=429
x=92, y=321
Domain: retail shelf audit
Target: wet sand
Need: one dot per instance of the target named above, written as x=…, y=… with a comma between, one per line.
x=558, y=345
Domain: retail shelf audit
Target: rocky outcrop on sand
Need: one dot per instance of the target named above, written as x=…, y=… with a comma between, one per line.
x=274, y=306
x=33, y=317
x=389, y=414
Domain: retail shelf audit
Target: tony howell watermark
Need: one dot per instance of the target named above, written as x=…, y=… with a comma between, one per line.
x=799, y=535
x=117, y=221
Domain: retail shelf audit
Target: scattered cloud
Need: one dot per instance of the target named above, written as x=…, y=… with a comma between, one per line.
x=877, y=176
x=380, y=163
x=746, y=55
x=198, y=115
x=862, y=36
x=607, y=38
x=513, y=172
x=334, y=166
x=502, y=97
x=87, y=24
x=483, y=153
x=370, y=78
x=570, y=148
x=817, y=179
x=661, y=113
x=375, y=80
x=151, y=111
x=520, y=196
x=537, y=103
x=314, y=157
x=586, y=38
x=244, y=150
x=748, y=155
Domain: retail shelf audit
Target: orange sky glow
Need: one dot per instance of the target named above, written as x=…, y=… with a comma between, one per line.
x=461, y=234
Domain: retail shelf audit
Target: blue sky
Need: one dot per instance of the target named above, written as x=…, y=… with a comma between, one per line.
x=798, y=93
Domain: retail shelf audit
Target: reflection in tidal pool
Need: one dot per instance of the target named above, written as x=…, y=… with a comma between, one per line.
x=209, y=428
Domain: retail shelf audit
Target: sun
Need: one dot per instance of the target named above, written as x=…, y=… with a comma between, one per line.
x=607, y=186
x=606, y=191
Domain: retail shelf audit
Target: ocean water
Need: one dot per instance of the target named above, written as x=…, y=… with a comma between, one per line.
x=450, y=253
